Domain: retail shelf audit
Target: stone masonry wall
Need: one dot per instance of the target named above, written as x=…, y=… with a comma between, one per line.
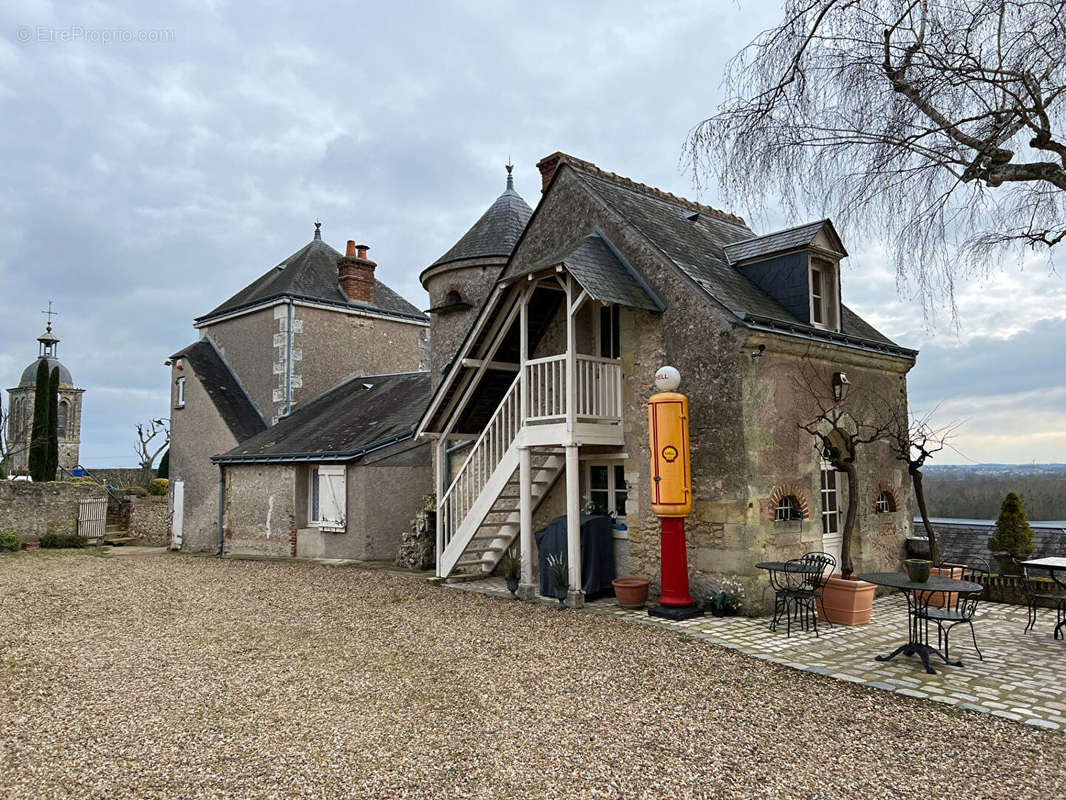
x=34, y=509
x=149, y=520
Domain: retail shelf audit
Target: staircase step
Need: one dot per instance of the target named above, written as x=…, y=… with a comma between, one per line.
x=470, y=563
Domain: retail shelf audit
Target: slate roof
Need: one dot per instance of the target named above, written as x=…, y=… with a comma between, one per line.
x=778, y=241
x=311, y=274
x=342, y=424
x=695, y=237
x=603, y=273
x=222, y=386
x=29, y=375
x=495, y=234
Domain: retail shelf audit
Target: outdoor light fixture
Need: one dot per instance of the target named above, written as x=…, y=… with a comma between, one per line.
x=841, y=384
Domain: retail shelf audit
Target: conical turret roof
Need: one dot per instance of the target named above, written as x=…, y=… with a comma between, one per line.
x=495, y=234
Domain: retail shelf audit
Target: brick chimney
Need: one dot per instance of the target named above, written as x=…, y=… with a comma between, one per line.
x=355, y=272
x=547, y=167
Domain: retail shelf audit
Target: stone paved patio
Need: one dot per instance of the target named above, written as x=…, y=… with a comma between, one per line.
x=1022, y=677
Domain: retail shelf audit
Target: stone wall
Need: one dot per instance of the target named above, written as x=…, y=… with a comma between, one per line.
x=149, y=520
x=121, y=477
x=418, y=543
x=260, y=510
x=34, y=509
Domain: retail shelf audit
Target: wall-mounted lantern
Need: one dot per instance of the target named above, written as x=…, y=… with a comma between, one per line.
x=841, y=385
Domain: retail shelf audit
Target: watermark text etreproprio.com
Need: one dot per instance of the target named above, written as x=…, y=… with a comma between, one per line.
x=27, y=34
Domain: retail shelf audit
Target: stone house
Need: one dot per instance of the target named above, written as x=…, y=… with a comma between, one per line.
x=303, y=328
x=542, y=411
x=339, y=477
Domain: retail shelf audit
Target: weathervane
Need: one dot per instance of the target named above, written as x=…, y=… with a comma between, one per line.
x=50, y=313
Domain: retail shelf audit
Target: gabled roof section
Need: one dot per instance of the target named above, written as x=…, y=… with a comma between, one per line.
x=361, y=415
x=794, y=238
x=311, y=274
x=694, y=237
x=495, y=234
x=603, y=273
x=230, y=400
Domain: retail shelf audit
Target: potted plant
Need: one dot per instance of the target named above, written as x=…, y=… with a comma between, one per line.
x=728, y=600
x=840, y=434
x=512, y=571
x=918, y=569
x=560, y=573
x=1013, y=539
x=631, y=592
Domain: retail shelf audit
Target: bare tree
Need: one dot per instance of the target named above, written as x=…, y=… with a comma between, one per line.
x=149, y=446
x=4, y=417
x=841, y=429
x=936, y=125
x=914, y=441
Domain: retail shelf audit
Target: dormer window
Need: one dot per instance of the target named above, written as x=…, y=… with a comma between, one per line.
x=824, y=302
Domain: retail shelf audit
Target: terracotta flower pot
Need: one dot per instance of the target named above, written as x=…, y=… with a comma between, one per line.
x=846, y=602
x=631, y=592
x=942, y=599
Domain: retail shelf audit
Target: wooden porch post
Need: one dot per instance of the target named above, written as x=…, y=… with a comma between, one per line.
x=576, y=598
x=439, y=454
x=526, y=589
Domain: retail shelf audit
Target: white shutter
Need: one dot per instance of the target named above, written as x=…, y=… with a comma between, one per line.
x=332, y=494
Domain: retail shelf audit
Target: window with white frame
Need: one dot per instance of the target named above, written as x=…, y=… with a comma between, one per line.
x=830, y=508
x=607, y=490
x=179, y=392
x=823, y=284
x=788, y=509
x=885, y=504
x=327, y=498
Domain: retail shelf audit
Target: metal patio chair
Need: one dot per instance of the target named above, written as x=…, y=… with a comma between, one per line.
x=1037, y=593
x=961, y=609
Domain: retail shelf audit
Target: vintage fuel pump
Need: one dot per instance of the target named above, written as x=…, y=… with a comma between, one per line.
x=671, y=492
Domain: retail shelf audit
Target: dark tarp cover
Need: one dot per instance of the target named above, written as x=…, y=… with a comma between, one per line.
x=597, y=554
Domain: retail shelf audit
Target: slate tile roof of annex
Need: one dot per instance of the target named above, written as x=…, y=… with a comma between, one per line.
x=603, y=274
x=311, y=274
x=694, y=237
x=776, y=242
x=344, y=422
x=226, y=393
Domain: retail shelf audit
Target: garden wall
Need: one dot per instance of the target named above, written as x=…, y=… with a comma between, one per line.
x=34, y=509
x=149, y=520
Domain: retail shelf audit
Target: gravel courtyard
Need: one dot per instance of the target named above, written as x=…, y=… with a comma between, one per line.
x=168, y=676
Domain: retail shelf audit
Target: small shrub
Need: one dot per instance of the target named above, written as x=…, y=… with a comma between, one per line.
x=9, y=540
x=560, y=572
x=512, y=566
x=136, y=491
x=1013, y=534
x=158, y=487
x=52, y=540
x=728, y=600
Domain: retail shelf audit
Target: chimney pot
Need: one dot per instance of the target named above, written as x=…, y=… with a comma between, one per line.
x=355, y=273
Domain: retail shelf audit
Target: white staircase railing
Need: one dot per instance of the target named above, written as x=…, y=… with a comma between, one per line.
x=486, y=454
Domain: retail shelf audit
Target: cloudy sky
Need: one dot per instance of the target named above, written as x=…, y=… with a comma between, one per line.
x=155, y=160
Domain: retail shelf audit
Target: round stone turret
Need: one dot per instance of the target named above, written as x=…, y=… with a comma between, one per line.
x=460, y=280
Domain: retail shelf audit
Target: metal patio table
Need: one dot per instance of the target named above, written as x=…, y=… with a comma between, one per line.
x=1054, y=565
x=918, y=597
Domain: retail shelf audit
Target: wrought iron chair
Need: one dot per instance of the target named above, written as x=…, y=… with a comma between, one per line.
x=1036, y=593
x=827, y=565
x=959, y=610
x=797, y=589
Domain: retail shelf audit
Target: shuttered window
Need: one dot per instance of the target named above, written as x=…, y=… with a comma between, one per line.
x=328, y=495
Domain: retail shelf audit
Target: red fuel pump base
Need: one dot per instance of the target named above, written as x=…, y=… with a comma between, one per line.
x=674, y=602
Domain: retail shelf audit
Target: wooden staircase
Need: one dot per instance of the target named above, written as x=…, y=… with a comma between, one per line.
x=500, y=526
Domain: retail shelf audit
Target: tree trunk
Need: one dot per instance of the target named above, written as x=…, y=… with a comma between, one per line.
x=919, y=495
x=847, y=569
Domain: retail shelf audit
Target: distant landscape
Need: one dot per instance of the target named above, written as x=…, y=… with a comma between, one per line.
x=976, y=491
